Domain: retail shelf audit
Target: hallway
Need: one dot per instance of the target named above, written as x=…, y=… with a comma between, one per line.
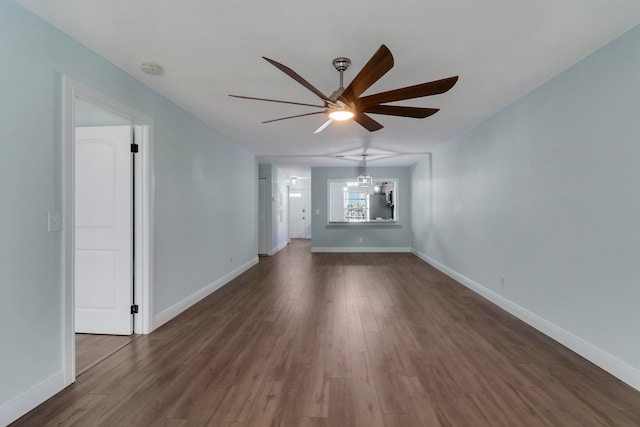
x=364, y=339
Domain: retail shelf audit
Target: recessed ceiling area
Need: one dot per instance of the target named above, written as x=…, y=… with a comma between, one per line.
x=500, y=49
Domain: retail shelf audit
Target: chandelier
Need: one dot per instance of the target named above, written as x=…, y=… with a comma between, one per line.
x=364, y=179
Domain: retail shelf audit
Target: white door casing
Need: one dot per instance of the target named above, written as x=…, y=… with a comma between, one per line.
x=297, y=214
x=144, y=259
x=103, y=230
x=262, y=217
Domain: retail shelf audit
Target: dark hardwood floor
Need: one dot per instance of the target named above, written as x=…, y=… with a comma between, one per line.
x=343, y=340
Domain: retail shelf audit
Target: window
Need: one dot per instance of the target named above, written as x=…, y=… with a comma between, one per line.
x=356, y=204
x=351, y=203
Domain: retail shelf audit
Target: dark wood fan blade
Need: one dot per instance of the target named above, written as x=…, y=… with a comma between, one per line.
x=293, y=117
x=378, y=65
x=276, y=100
x=295, y=76
x=435, y=87
x=396, y=110
x=367, y=122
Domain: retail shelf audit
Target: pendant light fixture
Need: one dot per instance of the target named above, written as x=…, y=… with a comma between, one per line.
x=364, y=179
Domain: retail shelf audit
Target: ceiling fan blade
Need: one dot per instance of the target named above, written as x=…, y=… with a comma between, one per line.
x=379, y=64
x=435, y=87
x=396, y=110
x=367, y=122
x=295, y=76
x=322, y=126
x=276, y=100
x=293, y=117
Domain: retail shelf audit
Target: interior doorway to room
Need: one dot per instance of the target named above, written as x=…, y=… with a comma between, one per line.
x=262, y=217
x=108, y=223
x=103, y=211
x=104, y=229
x=297, y=214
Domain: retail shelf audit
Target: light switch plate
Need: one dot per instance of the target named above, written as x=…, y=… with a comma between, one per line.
x=317, y=211
x=55, y=221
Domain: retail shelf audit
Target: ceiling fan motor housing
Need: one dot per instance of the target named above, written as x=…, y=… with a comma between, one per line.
x=341, y=63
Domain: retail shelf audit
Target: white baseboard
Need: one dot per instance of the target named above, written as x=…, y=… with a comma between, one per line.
x=277, y=249
x=171, y=312
x=17, y=407
x=360, y=249
x=595, y=355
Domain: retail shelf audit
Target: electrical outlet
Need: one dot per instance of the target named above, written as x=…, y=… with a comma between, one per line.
x=54, y=219
x=502, y=282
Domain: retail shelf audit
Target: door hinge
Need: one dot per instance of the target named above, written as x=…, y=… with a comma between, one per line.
x=134, y=309
x=134, y=148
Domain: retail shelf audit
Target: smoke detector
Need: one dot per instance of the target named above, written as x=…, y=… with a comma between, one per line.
x=151, y=68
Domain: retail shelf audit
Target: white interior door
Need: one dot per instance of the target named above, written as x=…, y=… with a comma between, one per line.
x=297, y=214
x=103, y=230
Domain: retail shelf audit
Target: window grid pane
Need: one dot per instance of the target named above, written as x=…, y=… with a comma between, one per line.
x=356, y=205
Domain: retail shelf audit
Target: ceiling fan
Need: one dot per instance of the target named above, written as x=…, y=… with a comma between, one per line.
x=346, y=103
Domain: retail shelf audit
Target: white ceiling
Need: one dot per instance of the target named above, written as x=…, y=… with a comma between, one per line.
x=501, y=49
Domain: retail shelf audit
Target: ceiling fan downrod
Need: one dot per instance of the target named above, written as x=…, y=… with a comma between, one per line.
x=341, y=64
x=340, y=111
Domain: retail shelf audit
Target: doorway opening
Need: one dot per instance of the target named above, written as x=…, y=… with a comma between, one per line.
x=297, y=213
x=107, y=228
x=263, y=246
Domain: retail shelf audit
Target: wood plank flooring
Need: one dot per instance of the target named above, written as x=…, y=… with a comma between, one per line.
x=318, y=340
x=92, y=349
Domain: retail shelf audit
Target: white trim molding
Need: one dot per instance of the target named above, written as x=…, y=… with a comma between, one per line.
x=144, y=219
x=272, y=252
x=171, y=312
x=619, y=369
x=17, y=407
x=355, y=249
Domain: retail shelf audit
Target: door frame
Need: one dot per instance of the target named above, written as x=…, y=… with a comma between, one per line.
x=143, y=265
x=263, y=235
x=304, y=191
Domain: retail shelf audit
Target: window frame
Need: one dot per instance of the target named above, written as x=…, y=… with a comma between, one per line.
x=350, y=184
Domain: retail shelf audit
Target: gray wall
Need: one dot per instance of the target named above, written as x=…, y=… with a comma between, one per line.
x=372, y=235
x=545, y=195
x=197, y=173
x=421, y=204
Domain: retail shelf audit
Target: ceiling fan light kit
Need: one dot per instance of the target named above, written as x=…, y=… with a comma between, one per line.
x=346, y=103
x=341, y=114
